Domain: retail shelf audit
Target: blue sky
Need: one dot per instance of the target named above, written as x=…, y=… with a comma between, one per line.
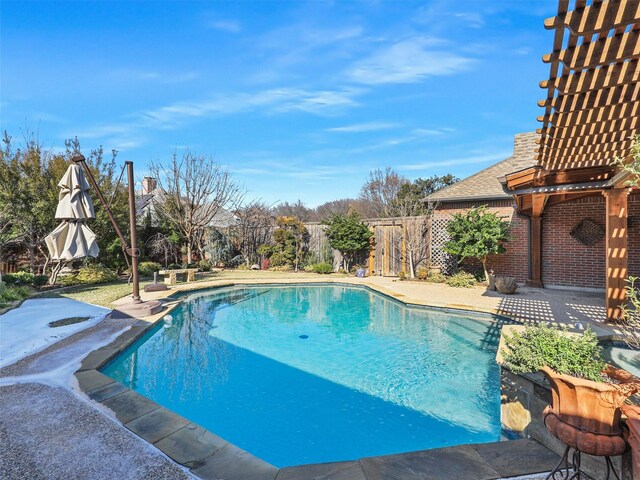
x=298, y=99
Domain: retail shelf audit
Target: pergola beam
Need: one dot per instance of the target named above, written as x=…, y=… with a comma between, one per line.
x=602, y=114
x=603, y=51
x=582, y=81
x=628, y=125
x=596, y=18
x=593, y=99
x=589, y=145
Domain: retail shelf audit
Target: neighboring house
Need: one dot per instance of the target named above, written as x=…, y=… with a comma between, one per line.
x=150, y=194
x=566, y=260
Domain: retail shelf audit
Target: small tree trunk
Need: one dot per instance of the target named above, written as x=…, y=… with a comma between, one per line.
x=412, y=272
x=484, y=267
x=188, y=252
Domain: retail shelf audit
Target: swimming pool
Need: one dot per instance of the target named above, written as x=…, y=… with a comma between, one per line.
x=307, y=374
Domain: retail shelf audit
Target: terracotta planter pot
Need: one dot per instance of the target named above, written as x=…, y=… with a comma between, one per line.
x=633, y=423
x=586, y=415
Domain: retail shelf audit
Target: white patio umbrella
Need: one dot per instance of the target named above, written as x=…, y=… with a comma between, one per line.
x=72, y=239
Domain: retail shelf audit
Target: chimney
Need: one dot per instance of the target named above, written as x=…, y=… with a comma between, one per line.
x=149, y=184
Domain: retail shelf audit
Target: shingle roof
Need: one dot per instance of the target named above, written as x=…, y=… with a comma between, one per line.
x=485, y=185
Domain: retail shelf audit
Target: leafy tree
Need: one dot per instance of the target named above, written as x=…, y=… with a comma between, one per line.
x=348, y=235
x=632, y=165
x=26, y=188
x=291, y=239
x=410, y=198
x=477, y=234
x=631, y=319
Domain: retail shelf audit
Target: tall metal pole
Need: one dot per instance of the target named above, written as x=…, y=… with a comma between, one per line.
x=134, y=236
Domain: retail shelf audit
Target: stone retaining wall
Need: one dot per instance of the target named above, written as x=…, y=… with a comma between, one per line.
x=522, y=400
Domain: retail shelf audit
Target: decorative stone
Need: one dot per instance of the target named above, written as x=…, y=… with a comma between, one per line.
x=506, y=285
x=255, y=266
x=514, y=415
x=492, y=282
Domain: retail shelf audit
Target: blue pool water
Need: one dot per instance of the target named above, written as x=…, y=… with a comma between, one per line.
x=306, y=374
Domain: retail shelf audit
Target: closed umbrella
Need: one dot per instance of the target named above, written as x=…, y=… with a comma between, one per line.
x=72, y=239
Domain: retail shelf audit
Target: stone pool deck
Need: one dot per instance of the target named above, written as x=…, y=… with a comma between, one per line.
x=57, y=425
x=556, y=306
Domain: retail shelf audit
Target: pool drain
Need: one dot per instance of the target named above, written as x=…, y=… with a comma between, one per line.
x=303, y=337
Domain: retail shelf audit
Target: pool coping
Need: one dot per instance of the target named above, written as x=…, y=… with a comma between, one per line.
x=209, y=456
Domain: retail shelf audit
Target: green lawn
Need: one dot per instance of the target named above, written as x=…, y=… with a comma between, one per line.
x=103, y=294
x=107, y=293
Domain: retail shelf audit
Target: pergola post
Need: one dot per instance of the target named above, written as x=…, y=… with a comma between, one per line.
x=617, y=254
x=538, y=203
x=535, y=274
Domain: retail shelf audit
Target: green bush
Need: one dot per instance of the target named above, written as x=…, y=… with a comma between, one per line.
x=436, y=277
x=10, y=294
x=18, y=279
x=281, y=268
x=422, y=273
x=243, y=266
x=204, y=265
x=23, y=279
x=40, y=280
x=147, y=269
x=543, y=345
x=461, y=280
x=402, y=276
x=322, y=267
x=95, y=274
x=67, y=280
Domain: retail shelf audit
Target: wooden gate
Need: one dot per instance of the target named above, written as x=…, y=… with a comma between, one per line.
x=388, y=253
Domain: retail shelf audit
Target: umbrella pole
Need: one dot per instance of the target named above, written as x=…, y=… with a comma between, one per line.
x=134, y=235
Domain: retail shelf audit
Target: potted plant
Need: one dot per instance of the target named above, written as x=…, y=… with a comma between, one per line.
x=586, y=392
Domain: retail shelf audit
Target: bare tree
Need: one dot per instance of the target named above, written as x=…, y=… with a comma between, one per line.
x=193, y=190
x=254, y=227
x=161, y=246
x=297, y=209
x=327, y=210
x=379, y=192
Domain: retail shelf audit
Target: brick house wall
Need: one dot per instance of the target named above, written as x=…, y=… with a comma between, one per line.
x=515, y=262
x=565, y=261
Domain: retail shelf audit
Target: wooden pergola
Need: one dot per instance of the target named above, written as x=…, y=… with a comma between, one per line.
x=591, y=113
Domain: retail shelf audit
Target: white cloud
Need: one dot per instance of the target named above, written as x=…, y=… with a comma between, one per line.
x=408, y=61
x=226, y=26
x=363, y=127
x=322, y=102
x=135, y=75
x=473, y=19
x=481, y=158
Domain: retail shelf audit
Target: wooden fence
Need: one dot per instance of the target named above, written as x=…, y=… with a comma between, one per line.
x=398, y=244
